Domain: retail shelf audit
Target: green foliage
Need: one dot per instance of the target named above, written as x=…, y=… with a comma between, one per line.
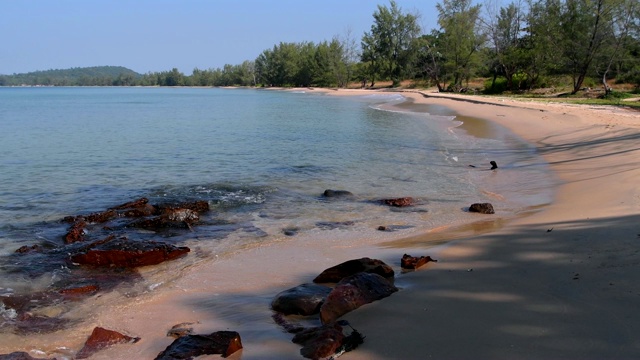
x=86, y=76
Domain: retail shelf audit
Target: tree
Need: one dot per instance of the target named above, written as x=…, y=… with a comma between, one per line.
x=460, y=38
x=391, y=43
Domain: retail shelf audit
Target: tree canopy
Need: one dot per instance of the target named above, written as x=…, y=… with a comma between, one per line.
x=518, y=44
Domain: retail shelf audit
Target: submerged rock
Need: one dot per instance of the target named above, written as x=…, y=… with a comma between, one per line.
x=327, y=341
x=351, y=267
x=399, y=202
x=337, y=194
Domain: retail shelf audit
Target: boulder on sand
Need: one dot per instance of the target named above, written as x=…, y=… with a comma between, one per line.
x=351, y=267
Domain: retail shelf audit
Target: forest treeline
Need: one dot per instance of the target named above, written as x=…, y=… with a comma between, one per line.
x=519, y=45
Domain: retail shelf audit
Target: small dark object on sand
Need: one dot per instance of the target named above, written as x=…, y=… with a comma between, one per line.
x=494, y=165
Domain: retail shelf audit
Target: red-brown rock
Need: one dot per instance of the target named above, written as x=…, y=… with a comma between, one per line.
x=191, y=346
x=353, y=292
x=351, y=267
x=399, y=202
x=320, y=342
x=102, y=338
x=411, y=262
x=128, y=254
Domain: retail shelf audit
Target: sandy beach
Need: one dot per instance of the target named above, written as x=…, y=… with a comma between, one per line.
x=561, y=283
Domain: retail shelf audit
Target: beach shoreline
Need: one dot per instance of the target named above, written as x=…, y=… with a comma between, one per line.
x=543, y=285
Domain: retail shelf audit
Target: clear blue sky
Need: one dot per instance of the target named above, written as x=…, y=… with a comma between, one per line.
x=158, y=35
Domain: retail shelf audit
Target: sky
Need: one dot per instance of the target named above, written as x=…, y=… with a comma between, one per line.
x=159, y=35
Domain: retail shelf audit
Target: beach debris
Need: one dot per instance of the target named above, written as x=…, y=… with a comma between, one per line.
x=494, y=165
x=129, y=254
x=102, y=338
x=191, y=346
x=409, y=262
x=180, y=330
x=550, y=230
x=327, y=341
x=336, y=273
x=482, y=208
x=352, y=292
x=304, y=299
x=337, y=194
x=399, y=202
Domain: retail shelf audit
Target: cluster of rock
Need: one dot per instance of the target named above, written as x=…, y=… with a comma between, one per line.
x=99, y=253
x=333, y=293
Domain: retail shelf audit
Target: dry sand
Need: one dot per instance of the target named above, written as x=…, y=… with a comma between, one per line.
x=559, y=284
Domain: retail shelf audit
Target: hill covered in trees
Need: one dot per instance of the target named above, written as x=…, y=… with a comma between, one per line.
x=80, y=76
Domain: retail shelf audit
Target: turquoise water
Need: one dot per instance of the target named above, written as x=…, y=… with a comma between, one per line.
x=260, y=158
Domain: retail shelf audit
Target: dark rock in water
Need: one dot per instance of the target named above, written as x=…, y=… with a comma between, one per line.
x=198, y=206
x=411, y=262
x=290, y=231
x=337, y=194
x=352, y=292
x=398, y=202
x=191, y=346
x=135, y=204
x=38, y=324
x=303, y=299
x=351, y=267
x=482, y=208
x=129, y=254
x=494, y=165
x=19, y=355
x=76, y=232
x=27, y=249
x=169, y=218
x=288, y=326
x=330, y=225
x=180, y=330
x=102, y=338
x=382, y=228
x=101, y=217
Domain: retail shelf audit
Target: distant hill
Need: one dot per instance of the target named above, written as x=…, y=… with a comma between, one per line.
x=85, y=76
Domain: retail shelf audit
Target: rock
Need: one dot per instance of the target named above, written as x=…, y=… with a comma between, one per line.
x=410, y=262
x=190, y=346
x=494, y=165
x=101, y=217
x=303, y=299
x=398, y=202
x=102, y=338
x=330, y=225
x=482, y=208
x=169, y=218
x=319, y=342
x=135, y=204
x=327, y=341
x=337, y=194
x=200, y=206
x=352, y=292
x=351, y=267
x=180, y=330
x=76, y=232
x=128, y=254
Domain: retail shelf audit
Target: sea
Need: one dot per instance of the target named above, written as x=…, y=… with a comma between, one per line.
x=261, y=159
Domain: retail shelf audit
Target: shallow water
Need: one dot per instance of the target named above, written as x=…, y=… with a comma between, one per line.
x=260, y=158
